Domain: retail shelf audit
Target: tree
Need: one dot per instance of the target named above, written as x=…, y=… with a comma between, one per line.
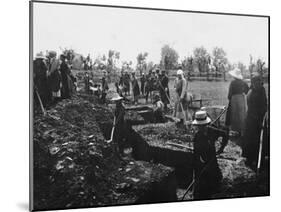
x=141, y=61
x=201, y=58
x=187, y=65
x=243, y=69
x=258, y=67
x=219, y=58
x=169, y=57
x=150, y=65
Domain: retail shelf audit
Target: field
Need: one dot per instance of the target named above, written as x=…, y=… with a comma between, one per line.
x=213, y=93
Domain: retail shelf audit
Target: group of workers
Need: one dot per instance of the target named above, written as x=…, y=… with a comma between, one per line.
x=52, y=78
x=97, y=89
x=245, y=114
x=246, y=111
x=153, y=81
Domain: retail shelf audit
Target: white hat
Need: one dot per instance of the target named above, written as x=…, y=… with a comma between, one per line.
x=236, y=73
x=116, y=97
x=201, y=118
x=179, y=72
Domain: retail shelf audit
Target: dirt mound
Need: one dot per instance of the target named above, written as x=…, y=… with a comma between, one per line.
x=75, y=167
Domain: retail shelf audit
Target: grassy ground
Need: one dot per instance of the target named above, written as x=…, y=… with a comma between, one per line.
x=215, y=93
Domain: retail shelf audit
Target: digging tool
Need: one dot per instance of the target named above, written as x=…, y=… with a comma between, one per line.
x=41, y=104
x=260, y=146
x=219, y=116
x=195, y=181
x=112, y=131
x=184, y=114
x=179, y=145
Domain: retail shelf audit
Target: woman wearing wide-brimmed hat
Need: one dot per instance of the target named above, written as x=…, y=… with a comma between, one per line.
x=119, y=125
x=237, y=108
x=207, y=173
x=181, y=105
x=40, y=78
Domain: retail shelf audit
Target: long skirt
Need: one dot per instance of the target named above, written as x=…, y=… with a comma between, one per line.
x=237, y=113
x=181, y=109
x=251, y=139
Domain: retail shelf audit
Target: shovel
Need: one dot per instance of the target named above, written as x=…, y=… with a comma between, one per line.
x=184, y=114
x=41, y=104
x=112, y=131
x=260, y=146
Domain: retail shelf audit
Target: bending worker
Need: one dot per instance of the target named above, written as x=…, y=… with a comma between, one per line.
x=207, y=173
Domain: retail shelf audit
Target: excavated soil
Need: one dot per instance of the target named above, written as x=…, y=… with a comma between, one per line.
x=75, y=167
x=238, y=179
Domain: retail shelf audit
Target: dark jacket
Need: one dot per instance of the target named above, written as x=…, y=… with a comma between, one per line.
x=164, y=89
x=257, y=107
x=41, y=80
x=135, y=87
x=207, y=172
x=237, y=86
x=65, y=72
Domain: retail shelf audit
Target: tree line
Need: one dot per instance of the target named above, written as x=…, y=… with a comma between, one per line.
x=200, y=62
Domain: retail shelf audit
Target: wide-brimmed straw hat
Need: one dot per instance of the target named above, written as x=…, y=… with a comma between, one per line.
x=236, y=73
x=201, y=118
x=116, y=97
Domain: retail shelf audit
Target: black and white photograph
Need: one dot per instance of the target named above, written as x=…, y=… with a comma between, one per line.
x=132, y=105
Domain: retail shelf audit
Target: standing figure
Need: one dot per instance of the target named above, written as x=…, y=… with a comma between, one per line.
x=181, y=106
x=142, y=80
x=87, y=83
x=257, y=107
x=237, y=108
x=55, y=77
x=207, y=173
x=127, y=83
x=104, y=87
x=164, y=89
x=135, y=88
x=65, y=72
x=148, y=85
x=154, y=81
x=40, y=78
x=119, y=128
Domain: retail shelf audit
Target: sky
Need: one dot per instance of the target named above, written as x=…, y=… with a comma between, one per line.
x=95, y=30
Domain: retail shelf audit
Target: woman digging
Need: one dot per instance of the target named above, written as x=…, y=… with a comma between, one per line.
x=207, y=173
x=181, y=106
x=118, y=134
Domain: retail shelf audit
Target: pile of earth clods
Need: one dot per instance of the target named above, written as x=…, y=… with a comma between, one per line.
x=74, y=166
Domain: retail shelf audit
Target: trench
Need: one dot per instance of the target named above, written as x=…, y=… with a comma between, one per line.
x=141, y=150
